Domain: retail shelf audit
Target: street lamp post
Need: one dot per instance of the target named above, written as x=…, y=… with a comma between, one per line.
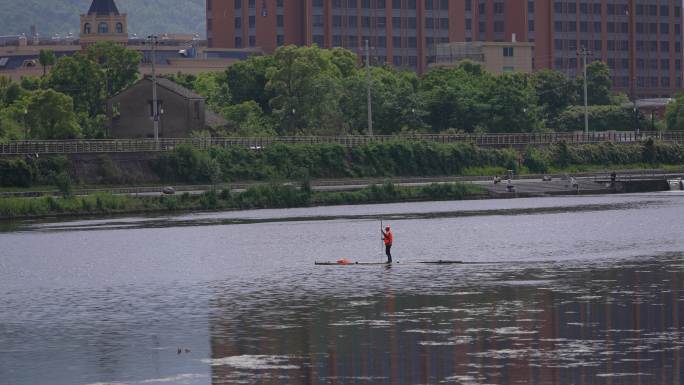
x=368, y=86
x=153, y=40
x=584, y=54
x=25, y=112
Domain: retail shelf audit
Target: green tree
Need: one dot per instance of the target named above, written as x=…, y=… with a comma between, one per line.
x=82, y=79
x=46, y=58
x=395, y=102
x=247, y=81
x=601, y=118
x=675, y=113
x=214, y=87
x=512, y=105
x=454, y=98
x=118, y=64
x=599, y=84
x=51, y=116
x=554, y=92
x=248, y=119
x=307, y=89
x=10, y=91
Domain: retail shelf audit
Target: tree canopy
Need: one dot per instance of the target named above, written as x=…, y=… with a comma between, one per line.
x=314, y=91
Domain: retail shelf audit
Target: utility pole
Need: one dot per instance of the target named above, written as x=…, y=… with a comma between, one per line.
x=584, y=53
x=153, y=40
x=368, y=81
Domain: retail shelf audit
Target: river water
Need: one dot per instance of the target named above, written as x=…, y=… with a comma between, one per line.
x=563, y=290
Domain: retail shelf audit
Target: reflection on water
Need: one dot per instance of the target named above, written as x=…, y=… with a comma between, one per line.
x=577, y=323
x=566, y=291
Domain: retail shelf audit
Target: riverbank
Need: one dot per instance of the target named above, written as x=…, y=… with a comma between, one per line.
x=255, y=197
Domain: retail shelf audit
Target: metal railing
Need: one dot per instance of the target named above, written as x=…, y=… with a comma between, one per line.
x=77, y=146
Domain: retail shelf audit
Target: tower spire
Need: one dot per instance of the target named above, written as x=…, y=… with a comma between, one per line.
x=103, y=8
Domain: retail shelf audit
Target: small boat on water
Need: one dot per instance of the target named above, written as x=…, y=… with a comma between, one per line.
x=344, y=262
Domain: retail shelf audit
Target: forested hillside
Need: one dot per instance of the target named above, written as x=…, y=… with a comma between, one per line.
x=62, y=16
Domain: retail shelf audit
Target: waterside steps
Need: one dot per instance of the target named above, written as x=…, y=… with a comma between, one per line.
x=578, y=186
x=642, y=184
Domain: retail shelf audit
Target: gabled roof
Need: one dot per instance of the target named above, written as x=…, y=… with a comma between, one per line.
x=163, y=83
x=103, y=8
x=176, y=88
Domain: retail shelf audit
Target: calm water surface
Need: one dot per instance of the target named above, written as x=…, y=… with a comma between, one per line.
x=565, y=290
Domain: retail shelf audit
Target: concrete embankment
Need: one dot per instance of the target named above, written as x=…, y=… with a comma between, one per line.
x=581, y=186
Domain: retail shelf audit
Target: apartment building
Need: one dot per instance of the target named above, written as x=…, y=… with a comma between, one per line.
x=639, y=39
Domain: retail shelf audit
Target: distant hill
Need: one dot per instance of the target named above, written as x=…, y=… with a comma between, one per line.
x=62, y=16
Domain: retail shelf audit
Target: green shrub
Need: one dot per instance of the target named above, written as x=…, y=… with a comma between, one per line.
x=63, y=183
x=16, y=173
x=536, y=160
x=209, y=200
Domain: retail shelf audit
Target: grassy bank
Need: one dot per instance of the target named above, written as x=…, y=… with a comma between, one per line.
x=400, y=158
x=281, y=162
x=262, y=196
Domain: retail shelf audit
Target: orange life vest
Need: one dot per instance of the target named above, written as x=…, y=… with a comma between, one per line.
x=388, y=237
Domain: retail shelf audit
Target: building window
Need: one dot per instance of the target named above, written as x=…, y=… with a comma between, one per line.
x=86, y=28
x=238, y=4
x=119, y=28
x=252, y=41
x=318, y=40
x=197, y=110
x=103, y=28
x=380, y=22
x=252, y=21
x=238, y=23
x=238, y=42
x=280, y=21
x=160, y=107
x=280, y=3
x=280, y=40
x=508, y=51
x=664, y=10
x=396, y=41
x=252, y=4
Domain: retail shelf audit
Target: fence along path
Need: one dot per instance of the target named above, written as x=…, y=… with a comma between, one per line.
x=78, y=146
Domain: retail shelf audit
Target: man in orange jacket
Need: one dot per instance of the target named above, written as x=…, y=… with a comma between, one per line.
x=387, y=237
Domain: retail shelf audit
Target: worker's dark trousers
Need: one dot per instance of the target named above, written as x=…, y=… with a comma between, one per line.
x=387, y=252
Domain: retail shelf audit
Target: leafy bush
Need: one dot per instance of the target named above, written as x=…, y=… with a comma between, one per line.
x=63, y=183
x=187, y=164
x=536, y=160
x=16, y=173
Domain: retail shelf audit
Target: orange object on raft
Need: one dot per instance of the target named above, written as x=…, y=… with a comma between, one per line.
x=343, y=261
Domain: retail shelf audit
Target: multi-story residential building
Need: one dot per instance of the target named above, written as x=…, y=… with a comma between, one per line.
x=641, y=40
x=400, y=32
